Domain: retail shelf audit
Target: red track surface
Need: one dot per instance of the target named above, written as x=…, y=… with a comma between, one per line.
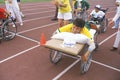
x=23, y=59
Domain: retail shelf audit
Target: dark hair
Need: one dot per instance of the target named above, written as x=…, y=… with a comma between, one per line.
x=79, y=22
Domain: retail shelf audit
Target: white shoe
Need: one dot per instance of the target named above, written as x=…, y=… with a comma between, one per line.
x=21, y=24
x=13, y=25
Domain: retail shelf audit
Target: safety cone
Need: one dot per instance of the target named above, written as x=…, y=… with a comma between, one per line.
x=42, y=39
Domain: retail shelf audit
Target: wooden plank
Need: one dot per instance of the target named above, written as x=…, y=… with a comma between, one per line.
x=57, y=45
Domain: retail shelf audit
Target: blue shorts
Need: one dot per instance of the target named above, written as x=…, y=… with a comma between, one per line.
x=18, y=0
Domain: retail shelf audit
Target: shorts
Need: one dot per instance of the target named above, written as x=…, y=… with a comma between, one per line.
x=18, y=0
x=65, y=16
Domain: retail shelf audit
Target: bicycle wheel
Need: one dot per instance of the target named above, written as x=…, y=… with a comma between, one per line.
x=9, y=29
x=86, y=65
x=55, y=56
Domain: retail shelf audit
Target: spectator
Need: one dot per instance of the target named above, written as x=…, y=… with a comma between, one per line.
x=56, y=11
x=19, y=4
x=117, y=39
x=13, y=8
x=64, y=12
x=81, y=6
x=118, y=20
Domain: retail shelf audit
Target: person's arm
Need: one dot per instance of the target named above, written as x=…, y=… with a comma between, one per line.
x=75, y=4
x=117, y=15
x=87, y=5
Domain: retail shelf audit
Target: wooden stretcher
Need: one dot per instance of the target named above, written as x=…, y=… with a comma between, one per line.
x=57, y=49
x=57, y=45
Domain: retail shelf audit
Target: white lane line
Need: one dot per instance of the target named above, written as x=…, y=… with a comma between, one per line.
x=39, y=12
x=37, y=18
x=28, y=38
x=39, y=9
x=105, y=65
x=65, y=70
x=107, y=38
x=48, y=25
x=22, y=52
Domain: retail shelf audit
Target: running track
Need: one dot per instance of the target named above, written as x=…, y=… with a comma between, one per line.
x=24, y=59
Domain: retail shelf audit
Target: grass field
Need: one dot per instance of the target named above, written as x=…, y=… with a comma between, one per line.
x=34, y=0
x=2, y=1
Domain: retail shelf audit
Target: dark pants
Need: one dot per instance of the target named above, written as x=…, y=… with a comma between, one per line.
x=56, y=12
x=18, y=0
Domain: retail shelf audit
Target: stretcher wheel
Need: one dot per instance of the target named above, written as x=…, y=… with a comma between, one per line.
x=85, y=65
x=55, y=56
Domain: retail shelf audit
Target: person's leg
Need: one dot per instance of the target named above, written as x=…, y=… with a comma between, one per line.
x=18, y=16
x=116, y=43
x=60, y=22
x=19, y=4
x=56, y=13
x=60, y=19
x=117, y=40
x=67, y=17
x=116, y=23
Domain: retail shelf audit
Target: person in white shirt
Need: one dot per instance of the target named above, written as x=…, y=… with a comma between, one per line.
x=116, y=23
x=13, y=8
x=97, y=14
x=117, y=39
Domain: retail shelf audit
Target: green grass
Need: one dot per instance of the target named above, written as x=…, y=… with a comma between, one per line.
x=34, y=0
x=2, y=1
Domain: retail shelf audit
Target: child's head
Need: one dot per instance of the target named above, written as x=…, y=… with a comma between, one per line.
x=78, y=24
x=117, y=3
x=97, y=8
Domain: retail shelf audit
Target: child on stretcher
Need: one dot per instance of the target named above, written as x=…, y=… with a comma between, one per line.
x=78, y=27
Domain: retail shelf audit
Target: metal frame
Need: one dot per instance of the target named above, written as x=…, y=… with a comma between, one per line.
x=8, y=29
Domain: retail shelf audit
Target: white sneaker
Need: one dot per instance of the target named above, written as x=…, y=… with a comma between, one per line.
x=13, y=25
x=21, y=24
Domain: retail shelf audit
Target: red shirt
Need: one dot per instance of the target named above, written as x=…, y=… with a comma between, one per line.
x=2, y=13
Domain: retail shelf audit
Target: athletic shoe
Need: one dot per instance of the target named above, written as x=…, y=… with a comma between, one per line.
x=21, y=24
x=54, y=19
x=13, y=25
x=113, y=49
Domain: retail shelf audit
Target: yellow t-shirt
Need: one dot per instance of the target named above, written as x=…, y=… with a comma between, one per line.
x=67, y=28
x=64, y=9
x=73, y=2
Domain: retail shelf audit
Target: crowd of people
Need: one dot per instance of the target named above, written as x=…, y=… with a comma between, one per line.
x=65, y=11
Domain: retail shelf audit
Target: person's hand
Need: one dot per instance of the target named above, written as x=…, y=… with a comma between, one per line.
x=110, y=22
x=55, y=2
x=79, y=9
